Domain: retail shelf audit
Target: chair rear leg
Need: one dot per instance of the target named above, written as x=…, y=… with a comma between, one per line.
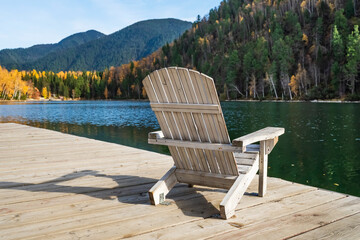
x=159, y=191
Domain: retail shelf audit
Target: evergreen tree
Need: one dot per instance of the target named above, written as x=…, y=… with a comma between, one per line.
x=349, y=8
x=338, y=53
x=232, y=71
x=341, y=23
x=353, y=57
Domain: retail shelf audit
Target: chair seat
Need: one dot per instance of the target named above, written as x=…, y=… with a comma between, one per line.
x=245, y=161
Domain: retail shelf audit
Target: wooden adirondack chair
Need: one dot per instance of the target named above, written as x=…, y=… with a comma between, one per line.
x=188, y=110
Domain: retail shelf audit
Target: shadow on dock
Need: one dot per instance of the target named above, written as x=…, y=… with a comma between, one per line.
x=129, y=189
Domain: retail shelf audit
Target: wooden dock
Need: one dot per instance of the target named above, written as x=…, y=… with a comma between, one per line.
x=59, y=186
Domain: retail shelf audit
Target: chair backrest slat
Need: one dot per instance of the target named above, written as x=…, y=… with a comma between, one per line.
x=196, y=156
x=181, y=107
x=186, y=105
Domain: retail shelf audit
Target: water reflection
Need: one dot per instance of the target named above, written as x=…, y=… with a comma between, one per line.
x=99, y=113
x=320, y=147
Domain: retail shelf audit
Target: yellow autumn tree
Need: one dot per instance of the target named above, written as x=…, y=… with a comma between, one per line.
x=44, y=92
x=118, y=92
x=305, y=39
x=11, y=84
x=106, y=93
x=301, y=79
x=61, y=74
x=111, y=74
x=294, y=85
x=132, y=87
x=201, y=41
x=143, y=93
x=136, y=65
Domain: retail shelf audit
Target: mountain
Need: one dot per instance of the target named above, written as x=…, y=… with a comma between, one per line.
x=14, y=58
x=131, y=43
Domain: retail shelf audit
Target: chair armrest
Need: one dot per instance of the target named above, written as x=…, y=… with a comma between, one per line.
x=261, y=135
x=156, y=135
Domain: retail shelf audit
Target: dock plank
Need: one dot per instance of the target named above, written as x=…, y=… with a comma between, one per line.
x=346, y=228
x=250, y=214
x=297, y=223
x=59, y=186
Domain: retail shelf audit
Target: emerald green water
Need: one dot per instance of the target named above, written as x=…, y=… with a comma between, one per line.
x=321, y=145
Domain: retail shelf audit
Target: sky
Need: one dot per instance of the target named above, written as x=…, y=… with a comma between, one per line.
x=24, y=23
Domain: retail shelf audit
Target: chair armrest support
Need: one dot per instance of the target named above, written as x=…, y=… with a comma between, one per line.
x=261, y=135
x=156, y=135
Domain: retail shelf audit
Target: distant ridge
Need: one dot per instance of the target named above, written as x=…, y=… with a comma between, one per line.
x=93, y=50
x=14, y=58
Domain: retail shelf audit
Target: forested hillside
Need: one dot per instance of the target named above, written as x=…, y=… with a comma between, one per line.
x=15, y=58
x=283, y=49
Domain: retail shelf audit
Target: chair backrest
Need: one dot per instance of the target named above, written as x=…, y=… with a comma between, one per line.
x=187, y=107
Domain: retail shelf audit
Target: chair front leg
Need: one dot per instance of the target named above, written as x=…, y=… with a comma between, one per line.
x=159, y=191
x=263, y=166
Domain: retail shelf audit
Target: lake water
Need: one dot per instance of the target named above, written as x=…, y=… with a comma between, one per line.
x=321, y=145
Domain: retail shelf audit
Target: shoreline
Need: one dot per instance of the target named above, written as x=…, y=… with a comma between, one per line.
x=295, y=101
x=146, y=100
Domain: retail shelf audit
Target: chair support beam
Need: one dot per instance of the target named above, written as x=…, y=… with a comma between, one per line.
x=205, y=179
